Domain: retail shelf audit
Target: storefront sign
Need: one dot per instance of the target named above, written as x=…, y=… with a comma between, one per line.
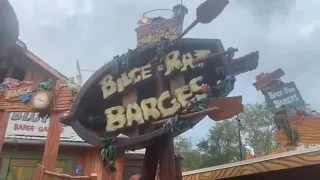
x=119, y=117
x=30, y=124
x=284, y=95
x=139, y=90
x=11, y=93
x=167, y=28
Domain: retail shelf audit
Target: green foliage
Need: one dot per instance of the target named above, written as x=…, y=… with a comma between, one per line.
x=221, y=145
x=258, y=128
x=108, y=153
x=71, y=80
x=47, y=85
x=192, y=158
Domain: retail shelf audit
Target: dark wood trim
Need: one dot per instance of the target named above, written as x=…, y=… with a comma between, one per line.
x=98, y=75
x=133, y=143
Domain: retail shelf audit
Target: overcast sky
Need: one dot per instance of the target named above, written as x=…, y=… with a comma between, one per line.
x=286, y=32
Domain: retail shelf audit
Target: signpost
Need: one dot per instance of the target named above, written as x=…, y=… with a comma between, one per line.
x=283, y=96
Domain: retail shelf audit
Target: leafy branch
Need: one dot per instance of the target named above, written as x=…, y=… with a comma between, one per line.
x=108, y=153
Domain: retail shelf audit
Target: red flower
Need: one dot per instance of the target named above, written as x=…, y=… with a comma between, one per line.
x=205, y=88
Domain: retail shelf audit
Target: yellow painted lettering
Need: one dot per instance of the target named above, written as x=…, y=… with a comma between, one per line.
x=168, y=111
x=146, y=72
x=116, y=118
x=135, y=75
x=187, y=62
x=183, y=94
x=172, y=62
x=134, y=113
x=126, y=80
x=148, y=107
x=194, y=84
x=120, y=85
x=201, y=53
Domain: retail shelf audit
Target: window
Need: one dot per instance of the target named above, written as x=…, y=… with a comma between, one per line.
x=18, y=73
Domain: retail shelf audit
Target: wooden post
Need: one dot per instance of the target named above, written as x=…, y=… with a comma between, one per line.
x=167, y=159
x=96, y=165
x=119, y=165
x=51, y=149
x=4, y=118
x=178, y=160
x=39, y=173
x=150, y=163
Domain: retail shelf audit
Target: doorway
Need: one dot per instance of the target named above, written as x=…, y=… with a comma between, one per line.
x=24, y=169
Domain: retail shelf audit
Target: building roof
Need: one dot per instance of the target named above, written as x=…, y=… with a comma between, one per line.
x=269, y=163
x=75, y=140
x=39, y=61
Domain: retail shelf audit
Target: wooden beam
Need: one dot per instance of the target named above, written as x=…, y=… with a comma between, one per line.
x=94, y=165
x=51, y=149
x=4, y=118
x=178, y=166
x=119, y=165
x=292, y=159
x=167, y=159
x=150, y=163
x=308, y=128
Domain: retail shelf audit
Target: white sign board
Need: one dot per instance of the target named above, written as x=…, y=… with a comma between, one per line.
x=29, y=124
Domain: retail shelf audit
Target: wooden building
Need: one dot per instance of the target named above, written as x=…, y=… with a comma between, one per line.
x=294, y=165
x=27, y=135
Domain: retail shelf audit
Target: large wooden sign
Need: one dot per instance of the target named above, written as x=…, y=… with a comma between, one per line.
x=138, y=93
x=283, y=95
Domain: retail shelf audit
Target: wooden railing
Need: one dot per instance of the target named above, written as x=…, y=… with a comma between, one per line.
x=42, y=174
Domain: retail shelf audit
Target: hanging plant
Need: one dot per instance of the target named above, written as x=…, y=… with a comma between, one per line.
x=47, y=85
x=282, y=122
x=121, y=63
x=108, y=153
x=171, y=125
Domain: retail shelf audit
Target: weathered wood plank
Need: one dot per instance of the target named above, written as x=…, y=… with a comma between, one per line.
x=53, y=139
x=4, y=118
x=287, y=160
x=119, y=165
x=308, y=128
x=128, y=98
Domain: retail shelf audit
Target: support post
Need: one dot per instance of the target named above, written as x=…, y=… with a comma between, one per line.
x=4, y=118
x=96, y=165
x=167, y=159
x=51, y=149
x=150, y=163
x=239, y=137
x=178, y=160
x=119, y=165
